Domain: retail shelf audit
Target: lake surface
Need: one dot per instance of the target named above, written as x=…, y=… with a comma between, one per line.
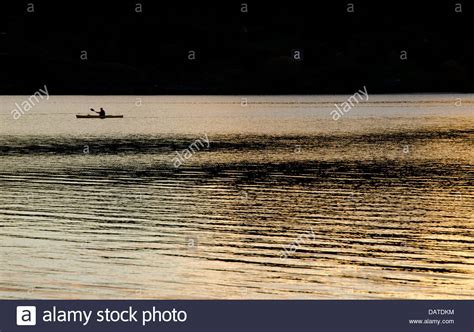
x=285, y=203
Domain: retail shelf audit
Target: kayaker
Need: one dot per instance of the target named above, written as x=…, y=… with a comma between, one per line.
x=101, y=113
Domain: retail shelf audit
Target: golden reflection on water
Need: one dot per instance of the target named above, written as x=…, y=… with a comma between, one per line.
x=285, y=203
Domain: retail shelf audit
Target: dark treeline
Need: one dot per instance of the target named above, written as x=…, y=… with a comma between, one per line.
x=236, y=47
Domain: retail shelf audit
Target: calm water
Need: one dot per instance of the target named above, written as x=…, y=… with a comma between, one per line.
x=378, y=204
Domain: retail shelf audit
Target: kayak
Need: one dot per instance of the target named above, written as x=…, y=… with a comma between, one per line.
x=89, y=116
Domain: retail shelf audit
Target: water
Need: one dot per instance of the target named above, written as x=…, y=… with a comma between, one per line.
x=285, y=203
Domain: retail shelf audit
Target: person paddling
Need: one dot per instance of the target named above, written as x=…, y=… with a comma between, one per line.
x=101, y=113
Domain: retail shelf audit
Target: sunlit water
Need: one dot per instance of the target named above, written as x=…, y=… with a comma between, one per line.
x=285, y=202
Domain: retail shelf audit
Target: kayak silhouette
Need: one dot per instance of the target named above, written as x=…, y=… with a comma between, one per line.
x=89, y=116
x=100, y=115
